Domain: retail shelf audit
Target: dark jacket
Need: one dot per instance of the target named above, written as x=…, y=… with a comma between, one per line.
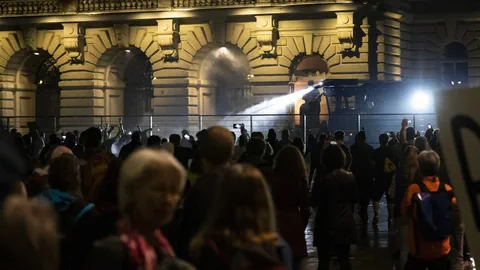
x=111, y=253
x=261, y=164
x=293, y=212
x=128, y=149
x=197, y=205
x=223, y=257
x=362, y=161
x=183, y=155
x=333, y=198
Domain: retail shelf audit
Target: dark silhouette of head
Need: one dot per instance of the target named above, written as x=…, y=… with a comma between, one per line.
x=256, y=147
x=285, y=135
x=383, y=139
x=154, y=141
x=334, y=158
x=164, y=140
x=175, y=139
x=272, y=135
x=339, y=135
x=258, y=135
x=297, y=142
x=289, y=164
x=422, y=144
x=242, y=141
x=92, y=137
x=362, y=136
x=136, y=136
x=216, y=149
x=410, y=133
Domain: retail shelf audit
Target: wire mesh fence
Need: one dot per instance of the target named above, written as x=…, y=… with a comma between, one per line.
x=298, y=125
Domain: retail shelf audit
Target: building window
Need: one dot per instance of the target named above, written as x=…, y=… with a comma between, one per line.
x=455, y=65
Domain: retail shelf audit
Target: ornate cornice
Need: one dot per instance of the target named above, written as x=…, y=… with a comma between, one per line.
x=29, y=7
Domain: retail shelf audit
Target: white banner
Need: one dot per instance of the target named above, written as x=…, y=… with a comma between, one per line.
x=458, y=113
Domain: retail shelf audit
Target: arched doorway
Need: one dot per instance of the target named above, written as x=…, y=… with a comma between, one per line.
x=455, y=65
x=226, y=73
x=138, y=90
x=306, y=69
x=37, y=90
x=126, y=75
x=47, y=96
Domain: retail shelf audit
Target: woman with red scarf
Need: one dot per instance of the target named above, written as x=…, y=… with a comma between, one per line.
x=150, y=186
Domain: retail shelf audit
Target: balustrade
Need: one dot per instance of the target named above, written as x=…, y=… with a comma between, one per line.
x=107, y=5
x=209, y=3
x=23, y=7
x=28, y=7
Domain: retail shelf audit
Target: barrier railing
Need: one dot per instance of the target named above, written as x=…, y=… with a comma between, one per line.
x=298, y=125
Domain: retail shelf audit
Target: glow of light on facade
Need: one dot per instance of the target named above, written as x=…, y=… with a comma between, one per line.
x=420, y=101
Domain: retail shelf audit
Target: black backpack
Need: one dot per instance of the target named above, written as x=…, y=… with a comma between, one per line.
x=434, y=213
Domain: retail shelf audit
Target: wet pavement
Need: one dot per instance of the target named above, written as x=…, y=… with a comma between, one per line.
x=373, y=250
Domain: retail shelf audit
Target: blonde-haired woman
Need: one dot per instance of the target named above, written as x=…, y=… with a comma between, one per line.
x=150, y=186
x=240, y=232
x=28, y=235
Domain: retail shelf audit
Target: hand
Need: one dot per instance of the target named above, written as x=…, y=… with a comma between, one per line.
x=404, y=123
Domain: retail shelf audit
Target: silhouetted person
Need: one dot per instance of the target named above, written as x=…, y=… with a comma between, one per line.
x=154, y=141
x=298, y=143
x=339, y=139
x=362, y=169
x=333, y=199
x=215, y=150
x=182, y=154
x=272, y=139
x=134, y=144
x=385, y=167
x=285, y=139
x=255, y=156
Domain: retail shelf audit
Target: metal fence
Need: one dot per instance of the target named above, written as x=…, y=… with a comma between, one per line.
x=298, y=125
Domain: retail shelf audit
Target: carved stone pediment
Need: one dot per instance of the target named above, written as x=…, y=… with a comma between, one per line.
x=267, y=35
x=168, y=39
x=30, y=37
x=122, y=34
x=74, y=42
x=345, y=30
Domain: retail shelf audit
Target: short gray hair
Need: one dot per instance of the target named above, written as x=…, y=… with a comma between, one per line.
x=147, y=165
x=429, y=163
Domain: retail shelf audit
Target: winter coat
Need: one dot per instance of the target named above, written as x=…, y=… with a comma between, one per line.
x=333, y=197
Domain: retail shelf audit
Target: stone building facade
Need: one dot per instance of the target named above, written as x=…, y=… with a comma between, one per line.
x=79, y=54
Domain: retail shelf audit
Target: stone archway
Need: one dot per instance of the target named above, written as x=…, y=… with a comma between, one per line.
x=303, y=70
x=32, y=78
x=28, y=60
x=125, y=76
x=223, y=77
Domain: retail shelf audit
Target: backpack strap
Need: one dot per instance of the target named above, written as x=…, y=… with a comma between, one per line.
x=86, y=209
x=423, y=188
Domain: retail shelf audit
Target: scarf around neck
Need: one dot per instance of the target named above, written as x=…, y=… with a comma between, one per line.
x=142, y=254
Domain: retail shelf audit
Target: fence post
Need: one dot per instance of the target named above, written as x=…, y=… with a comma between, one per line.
x=359, y=123
x=150, y=125
x=54, y=125
x=304, y=128
x=413, y=121
x=200, y=122
x=251, y=124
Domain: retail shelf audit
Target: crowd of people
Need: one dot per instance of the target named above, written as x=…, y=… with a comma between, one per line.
x=91, y=200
